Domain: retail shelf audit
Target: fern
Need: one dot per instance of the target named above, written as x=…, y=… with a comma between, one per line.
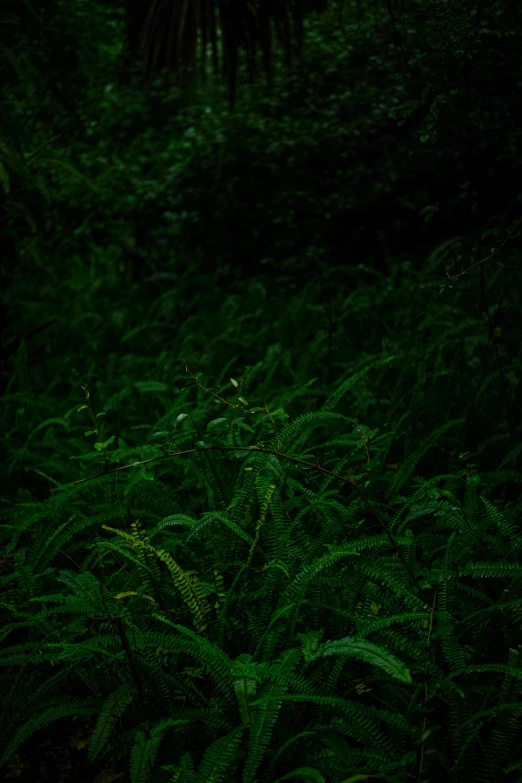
x=272, y=627
x=405, y=472
x=143, y=755
x=218, y=762
x=42, y=719
x=365, y=651
x=350, y=382
x=265, y=711
x=112, y=709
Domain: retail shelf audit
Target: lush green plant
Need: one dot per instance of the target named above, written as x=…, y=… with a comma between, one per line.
x=311, y=570
x=309, y=612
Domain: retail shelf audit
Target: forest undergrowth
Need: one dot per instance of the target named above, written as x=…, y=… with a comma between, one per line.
x=292, y=567
x=260, y=501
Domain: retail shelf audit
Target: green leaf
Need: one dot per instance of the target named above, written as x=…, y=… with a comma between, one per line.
x=217, y=763
x=216, y=424
x=101, y=446
x=362, y=431
x=409, y=758
x=263, y=719
x=310, y=642
x=245, y=690
x=372, y=653
x=112, y=709
x=280, y=612
x=151, y=387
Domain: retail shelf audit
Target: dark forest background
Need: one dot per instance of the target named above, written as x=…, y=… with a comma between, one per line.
x=261, y=400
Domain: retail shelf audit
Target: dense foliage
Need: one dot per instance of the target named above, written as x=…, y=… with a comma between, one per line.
x=261, y=402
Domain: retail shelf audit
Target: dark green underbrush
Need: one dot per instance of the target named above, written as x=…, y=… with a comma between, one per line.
x=260, y=501
x=246, y=576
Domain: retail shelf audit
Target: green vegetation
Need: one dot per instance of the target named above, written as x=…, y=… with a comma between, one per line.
x=261, y=431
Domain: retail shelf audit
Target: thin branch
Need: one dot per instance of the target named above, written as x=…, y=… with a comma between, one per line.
x=482, y=260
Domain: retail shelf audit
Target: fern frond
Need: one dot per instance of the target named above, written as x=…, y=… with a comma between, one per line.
x=297, y=431
x=245, y=689
x=217, y=765
x=505, y=525
x=112, y=709
x=191, y=589
x=215, y=660
x=370, y=625
x=303, y=735
x=184, y=772
x=221, y=516
x=395, y=583
x=350, y=382
x=296, y=590
x=367, y=651
x=490, y=570
x=265, y=711
x=143, y=754
x=509, y=707
x=405, y=472
x=44, y=718
x=367, y=719
x=173, y=520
